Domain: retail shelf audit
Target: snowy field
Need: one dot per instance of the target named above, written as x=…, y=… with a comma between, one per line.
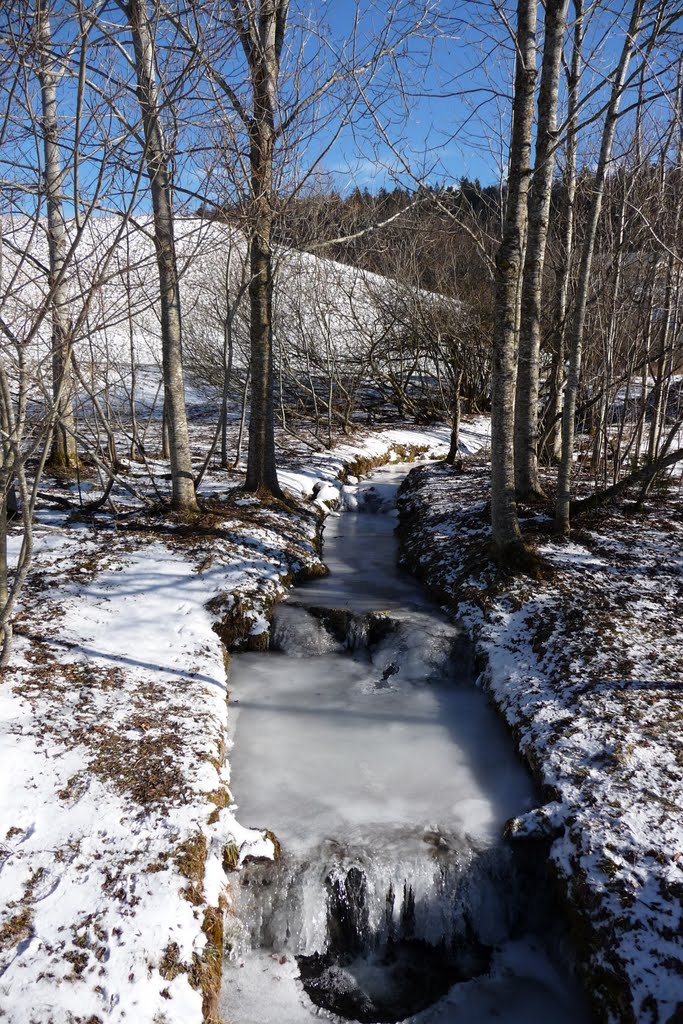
x=114, y=786
x=586, y=666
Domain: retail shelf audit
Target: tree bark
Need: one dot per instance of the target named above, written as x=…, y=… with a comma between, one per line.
x=5, y=471
x=182, y=477
x=526, y=405
x=228, y=348
x=569, y=180
x=262, y=38
x=63, y=452
x=243, y=417
x=455, y=426
x=562, y=512
x=509, y=264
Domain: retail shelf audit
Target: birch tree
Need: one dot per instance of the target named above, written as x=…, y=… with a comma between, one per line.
x=526, y=407
x=261, y=31
x=280, y=89
x=508, y=276
x=554, y=411
x=63, y=454
x=562, y=511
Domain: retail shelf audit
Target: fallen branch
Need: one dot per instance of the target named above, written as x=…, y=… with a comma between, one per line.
x=643, y=476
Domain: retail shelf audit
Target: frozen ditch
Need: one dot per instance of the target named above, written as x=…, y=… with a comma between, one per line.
x=362, y=743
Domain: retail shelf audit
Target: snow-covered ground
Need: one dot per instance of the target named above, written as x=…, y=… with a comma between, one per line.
x=586, y=665
x=114, y=786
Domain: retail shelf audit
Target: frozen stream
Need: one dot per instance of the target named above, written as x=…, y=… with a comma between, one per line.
x=362, y=743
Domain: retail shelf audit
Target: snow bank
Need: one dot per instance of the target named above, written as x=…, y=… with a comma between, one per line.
x=115, y=811
x=586, y=667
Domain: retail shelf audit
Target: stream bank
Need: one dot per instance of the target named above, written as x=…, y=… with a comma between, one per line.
x=585, y=666
x=362, y=743
x=114, y=790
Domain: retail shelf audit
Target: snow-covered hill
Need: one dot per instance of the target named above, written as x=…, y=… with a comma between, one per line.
x=322, y=308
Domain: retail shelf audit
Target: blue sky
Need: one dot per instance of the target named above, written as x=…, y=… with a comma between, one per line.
x=451, y=120
x=459, y=88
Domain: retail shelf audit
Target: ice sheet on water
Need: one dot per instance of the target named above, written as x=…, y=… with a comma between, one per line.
x=378, y=496
x=341, y=742
x=388, y=796
x=325, y=745
x=361, y=553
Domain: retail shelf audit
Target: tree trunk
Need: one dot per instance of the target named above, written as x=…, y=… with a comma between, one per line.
x=182, y=477
x=5, y=470
x=261, y=467
x=526, y=406
x=263, y=48
x=455, y=427
x=227, y=374
x=642, y=410
x=243, y=416
x=583, y=284
x=63, y=453
x=165, y=438
x=4, y=589
x=568, y=232
x=136, y=447
x=228, y=347
x=509, y=263
x=669, y=328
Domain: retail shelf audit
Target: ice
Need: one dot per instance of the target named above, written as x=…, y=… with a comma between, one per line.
x=422, y=649
x=397, y=735
x=298, y=633
x=376, y=887
x=362, y=743
x=360, y=552
x=340, y=747
x=522, y=987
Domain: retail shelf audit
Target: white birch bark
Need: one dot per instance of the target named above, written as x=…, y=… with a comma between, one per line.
x=63, y=452
x=526, y=406
x=569, y=181
x=508, y=277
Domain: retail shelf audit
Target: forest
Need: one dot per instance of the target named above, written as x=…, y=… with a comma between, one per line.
x=267, y=269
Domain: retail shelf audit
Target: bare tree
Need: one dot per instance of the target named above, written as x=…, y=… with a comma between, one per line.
x=583, y=282
x=63, y=453
x=157, y=159
x=509, y=266
x=275, y=101
x=554, y=408
x=261, y=30
x=526, y=407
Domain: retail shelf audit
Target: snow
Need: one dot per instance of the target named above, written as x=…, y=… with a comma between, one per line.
x=81, y=848
x=113, y=727
x=374, y=759
x=329, y=309
x=585, y=666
